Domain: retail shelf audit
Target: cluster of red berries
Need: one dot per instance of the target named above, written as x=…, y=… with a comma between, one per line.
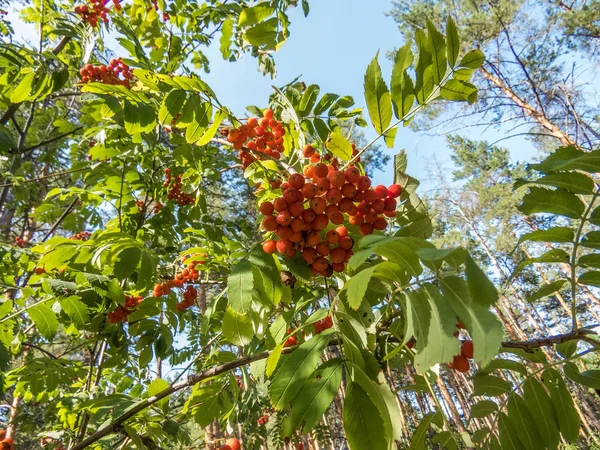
x=291, y=341
x=189, y=297
x=323, y=325
x=81, y=236
x=324, y=194
x=175, y=192
x=155, y=209
x=120, y=314
x=39, y=270
x=461, y=361
x=263, y=420
x=240, y=383
x=20, y=242
x=256, y=138
x=231, y=444
x=96, y=11
x=108, y=74
x=188, y=275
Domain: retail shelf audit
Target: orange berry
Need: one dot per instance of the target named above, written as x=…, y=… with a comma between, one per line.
x=321, y=170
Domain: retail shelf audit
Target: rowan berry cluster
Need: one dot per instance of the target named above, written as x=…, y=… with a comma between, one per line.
x=323, y=325
x=108, y=74
x=175, y=192
x=120, y=314
x=256, y=138
x=263, y=420
x=96, y=11
x=188, y=275
x=155, y=209
x=460, y=361
x=81, y=236
x=324, y=194
x=240, y=383
x=189, y=297
x=20, y=242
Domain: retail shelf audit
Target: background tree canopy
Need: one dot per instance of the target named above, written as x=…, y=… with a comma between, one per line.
x=174, y=275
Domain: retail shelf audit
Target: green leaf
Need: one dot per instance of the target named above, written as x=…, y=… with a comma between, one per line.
x=381, y=395
x=339, y=146
x=171, y=106
x=483, y=326
x=363, y=423
x=357, y=286
x=156, y=387
x=568, y=348
x=558, y=201
x=225, y=39
x=505, y=364
x=459, y=91
x=522, y=420
x=212, y=130
x=377, y=97
x=7, y=141
x=483, y=408
x=591, y=240
x=482, y=290
x=566, y=414
x=23, y=89
x=555, y=234
x=569, y=158
x=127, y=262
x=402, y=89
x=424, y=82
x=266, y=276
x=438, y=52
x=45, y=320
x=589, y=378
x=197, y=128
x=76, y=310
x=326, y=101
x=576, y=182
x=255, y=14
x=309, y=98
x=490, y=385
x=441, y=344
x=240, y=285
x=546, y=290
x=237, y=328
x=509, y=436
x=419, y=438
x=452, y=42
x=591, y=260
x=473, y=59
x=273, y=360
x=263, y=34
x=296, y=369
x=591, y=278
x=539, y=404
x=314, y=398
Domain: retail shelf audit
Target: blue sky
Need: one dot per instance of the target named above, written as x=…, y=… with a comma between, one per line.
x=332, y=48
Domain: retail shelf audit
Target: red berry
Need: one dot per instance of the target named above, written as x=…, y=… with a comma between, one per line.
x=382, y=191
x=395, y=190
x=270, y=246
x=460, y=363
x=267, y=208
x=466, y=349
